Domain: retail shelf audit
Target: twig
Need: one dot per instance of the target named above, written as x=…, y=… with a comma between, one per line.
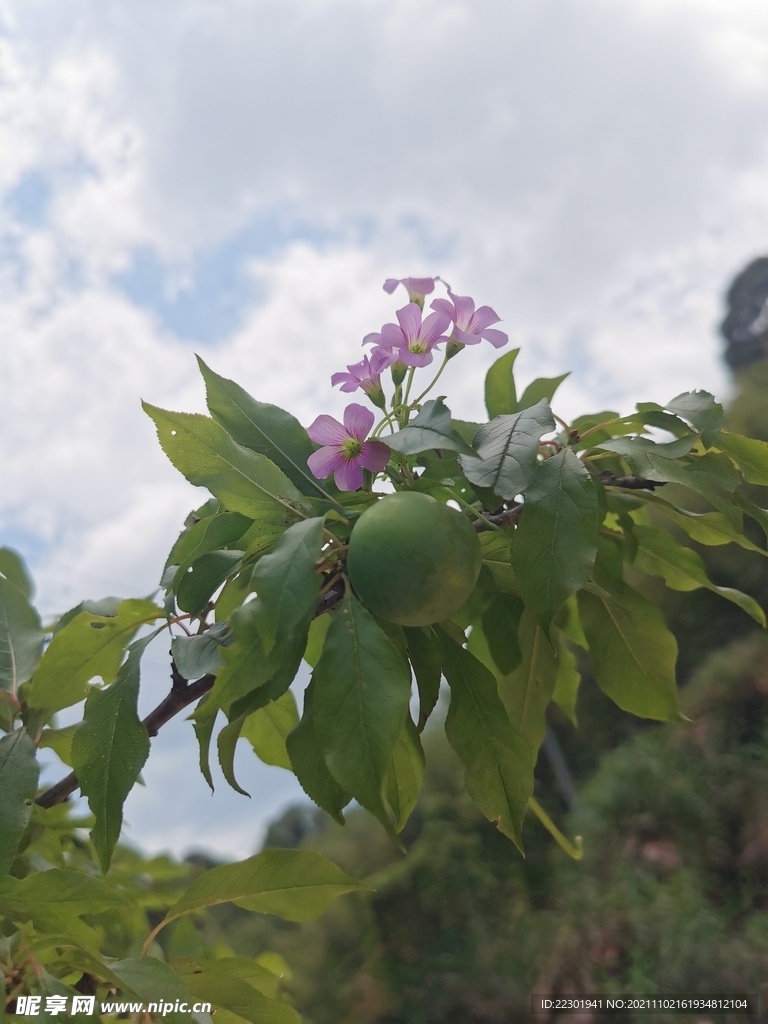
x=507, y=517
x=631, y=483
x=181, y=696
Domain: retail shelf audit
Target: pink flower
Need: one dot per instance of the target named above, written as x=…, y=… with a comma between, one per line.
x=413, y=341
x=346, y=452
x=417, y=287
x=365, y=374
x=470, y=324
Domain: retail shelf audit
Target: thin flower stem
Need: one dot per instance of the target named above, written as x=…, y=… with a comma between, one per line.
x=409, y=382
x=386, y=422
x=575, y=849
x=434, y=381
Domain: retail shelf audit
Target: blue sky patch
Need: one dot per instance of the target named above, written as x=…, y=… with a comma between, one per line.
x=205, y=300
x=29, y=200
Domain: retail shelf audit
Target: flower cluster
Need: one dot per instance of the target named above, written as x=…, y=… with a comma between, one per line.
x=402, y=347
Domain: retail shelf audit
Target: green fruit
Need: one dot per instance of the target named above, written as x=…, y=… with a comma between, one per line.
x=412, y=559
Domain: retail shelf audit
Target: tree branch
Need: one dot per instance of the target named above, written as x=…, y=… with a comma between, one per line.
x=181, y=696
x=631, y=483
x=507, y=517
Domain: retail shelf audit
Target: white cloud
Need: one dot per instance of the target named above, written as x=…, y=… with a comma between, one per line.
x=594, y=171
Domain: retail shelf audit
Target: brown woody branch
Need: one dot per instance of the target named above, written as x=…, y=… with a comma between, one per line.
x=181, y=696
x=631, y=483
x=507, y=517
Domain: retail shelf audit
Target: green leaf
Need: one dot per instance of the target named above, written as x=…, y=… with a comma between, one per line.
x=701, y=410
x=109, y=749
x=243, y=481
x=13, y=568
x=197, y=585
x=567, y=680
x=55, y=900
x=233, y=593
x=542, y=387
x=507, y=448
x=316, y=639
x=150, y=980
x=268, y=728
x=633, y=653
x=711, y=475
x=59, y=741
x=640, y=452
x=430, y=429
x=403, y=779
x=196, y=656
x=500, y=391
x=241, y=968
x=710, y=528
x=527, y=691
x=659, y=554
x=760, y=515
x=555, y=543
x=19, y=772
x=501, y=620
x=247, y=667
x=651, y=414
x=497, y=760
x=286, y=581
x=21, y=636
x=497, y=557
x=297, y=885
x=424, y=655
x=308, y=763
x=210, y=534
x=569, y=624
x=750, y=455
x=363, y=685
x=88, y=646
x=227, y=745
x=263, y=428
x=204, y=725
x=230, y=993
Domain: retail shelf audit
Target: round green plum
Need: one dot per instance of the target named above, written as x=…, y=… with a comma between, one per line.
x=412, y=559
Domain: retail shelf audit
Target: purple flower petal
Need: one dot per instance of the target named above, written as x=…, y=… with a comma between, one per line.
x=465, y=307
x=482, y=318
x=410, y=320
x=392, y=336
x=415, y=285
x=434, y=326
x=349, y=476
x=372, y=339
x=381, y=358
x=325, y=461
x=348, y=381
x=408, y=358
x=445, y=307
x=464, y=338
x=327, y=430
x=358, y=421
x=374, y=456
x=496, y=338
x=419, y=285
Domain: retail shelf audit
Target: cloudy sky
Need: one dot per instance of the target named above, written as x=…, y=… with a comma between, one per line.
x=237, y=178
